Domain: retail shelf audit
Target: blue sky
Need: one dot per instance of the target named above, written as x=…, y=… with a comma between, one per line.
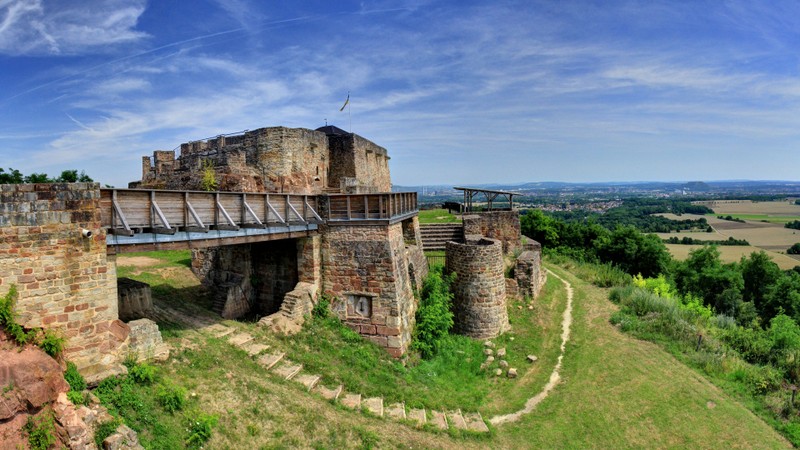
x=459, y=92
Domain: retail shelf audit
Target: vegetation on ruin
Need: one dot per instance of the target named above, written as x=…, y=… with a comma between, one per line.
x=41, y=431
x=209, y=180
x=50, y=341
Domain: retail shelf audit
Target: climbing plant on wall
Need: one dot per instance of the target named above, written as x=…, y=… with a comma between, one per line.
x=209, y=181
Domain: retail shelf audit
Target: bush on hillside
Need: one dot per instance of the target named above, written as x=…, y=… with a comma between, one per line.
x=434, y=316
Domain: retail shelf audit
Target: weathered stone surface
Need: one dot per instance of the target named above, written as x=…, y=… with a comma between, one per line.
x=374, y=405
x=503, y=364
x=327, y=393
x=532, y=358
x=396, y=411
x=475, y=422
x=498, y=372
x=417, y=415
x=456, y=420
x=146, y=341
x=64, y=281
x=287, y=370
x=479, y=289
x=501, y=352
x=439, y=420
x=307, y=380
x=134, y=299
x=352, y=401
x=240, y=339
x=366, y=270
x=35, y=378
x=269, y=360
x=503, y=226
x=528, y=271
x=512, y=373
x=123, y=439
x=274, y=159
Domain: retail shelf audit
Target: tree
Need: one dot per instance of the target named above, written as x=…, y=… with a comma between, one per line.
x=704, y=275
x=541, y=228
x=38, y=178
x=783, y=295
x=12, y=177
x=633, y=252
x=759, y=272
x=794, y=249
x=71, y=176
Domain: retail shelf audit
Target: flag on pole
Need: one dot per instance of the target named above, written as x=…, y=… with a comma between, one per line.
x=345, y=102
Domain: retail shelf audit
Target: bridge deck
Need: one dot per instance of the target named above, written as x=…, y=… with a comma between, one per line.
x=139, y=219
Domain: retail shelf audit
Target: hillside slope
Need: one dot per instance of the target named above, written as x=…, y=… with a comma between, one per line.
x=617, y=392
x=621, y=392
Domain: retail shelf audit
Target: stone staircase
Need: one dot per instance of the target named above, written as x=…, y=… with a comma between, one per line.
x=277, y=364
x=435, y=235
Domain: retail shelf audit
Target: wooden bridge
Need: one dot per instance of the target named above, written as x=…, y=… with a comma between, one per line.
x=138, y=219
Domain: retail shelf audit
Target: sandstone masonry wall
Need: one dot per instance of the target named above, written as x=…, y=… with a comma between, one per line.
x=528, y=272
x=365, y=269
x=501, y=225
x=65, y=281
x=480, y=287
x=273, y=159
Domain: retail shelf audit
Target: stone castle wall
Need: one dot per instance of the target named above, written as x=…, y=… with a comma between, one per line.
x=501, y=225
x=479, y=289
x=528, y=271
x=366, y=269
x=273, y=159
x=65, y=281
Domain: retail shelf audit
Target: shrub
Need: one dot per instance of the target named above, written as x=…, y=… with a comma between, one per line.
x=322, y=309
x=74, y=378
x=434, y=317
x=794, y=249
x=78, y=398
x=143, y=373
x=41, y=432
x=199, y=429
x=105, y=430
x=171, y=398
x=52, y=343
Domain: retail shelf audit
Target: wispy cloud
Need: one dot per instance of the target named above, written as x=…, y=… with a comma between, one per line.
x=37, y=27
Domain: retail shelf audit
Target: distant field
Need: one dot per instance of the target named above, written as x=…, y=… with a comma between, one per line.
x=774, y=212
x=733, y=253
x=769, y=236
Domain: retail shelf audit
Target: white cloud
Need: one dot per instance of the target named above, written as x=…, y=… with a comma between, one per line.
x=41, y=27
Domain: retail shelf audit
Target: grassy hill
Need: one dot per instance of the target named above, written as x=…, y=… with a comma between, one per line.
x=617, y=392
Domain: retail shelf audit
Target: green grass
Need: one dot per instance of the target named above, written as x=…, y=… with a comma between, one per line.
x=616, y=391
x=759, y=217
x=437, y=216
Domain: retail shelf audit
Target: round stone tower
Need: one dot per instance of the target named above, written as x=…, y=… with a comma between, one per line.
x=480, y=288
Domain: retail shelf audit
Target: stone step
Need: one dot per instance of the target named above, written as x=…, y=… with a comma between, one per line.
x=439, y=420
x=329, y=394
x=352, y=401
x=475, y=422
x=240, y=339
x=456, y=420
x=418, y=416
x=373, y=405
x=307, y=380
x=253, y=348
x=287, y=370
x=218, y=330
x=396, y=411
x=269, y=360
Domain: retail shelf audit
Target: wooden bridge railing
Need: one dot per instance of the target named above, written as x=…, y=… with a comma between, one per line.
x=377, y=207
x=131, y=211
x=127, y=211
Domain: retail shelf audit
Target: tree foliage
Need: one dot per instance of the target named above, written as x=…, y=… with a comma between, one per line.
x=14, y=176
